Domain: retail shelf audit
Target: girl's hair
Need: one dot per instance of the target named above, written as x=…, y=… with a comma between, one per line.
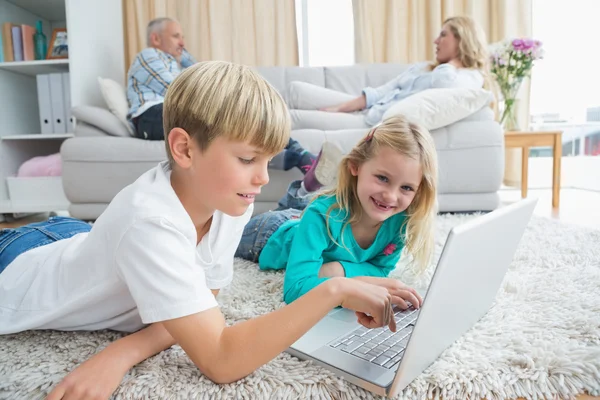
x=410, y=140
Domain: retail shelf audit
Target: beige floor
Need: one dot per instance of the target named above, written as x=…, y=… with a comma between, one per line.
x=581, y=207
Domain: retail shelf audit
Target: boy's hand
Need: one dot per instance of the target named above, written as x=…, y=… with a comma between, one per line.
x=371, y=303
x=95, y=379
x=400, y=292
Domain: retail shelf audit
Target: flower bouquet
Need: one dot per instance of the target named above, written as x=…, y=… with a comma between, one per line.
x=511, y=62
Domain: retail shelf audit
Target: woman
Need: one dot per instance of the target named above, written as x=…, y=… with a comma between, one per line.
x=460, y=62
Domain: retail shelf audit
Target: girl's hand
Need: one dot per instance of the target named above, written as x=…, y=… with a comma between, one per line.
x=97, y=378
x=400, y=292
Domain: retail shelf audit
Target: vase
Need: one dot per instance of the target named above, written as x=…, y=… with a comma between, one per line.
x=510, y=115
x=40, y=44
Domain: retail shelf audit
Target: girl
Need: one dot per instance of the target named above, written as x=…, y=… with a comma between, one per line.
x=460, y=63
x=384, y=201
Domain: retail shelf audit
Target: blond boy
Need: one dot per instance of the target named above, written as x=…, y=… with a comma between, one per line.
x=155, y=260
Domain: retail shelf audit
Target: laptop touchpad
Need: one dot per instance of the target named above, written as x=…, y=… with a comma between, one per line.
x=344, y=315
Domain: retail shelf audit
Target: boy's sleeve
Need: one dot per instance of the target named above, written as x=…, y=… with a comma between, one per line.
x=380, y=266
x=157, y=263
x=154, y=72
x=306, y=255
x=186, y=59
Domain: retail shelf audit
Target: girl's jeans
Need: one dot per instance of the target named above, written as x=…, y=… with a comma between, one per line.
x=260, y=228
x=14, y=242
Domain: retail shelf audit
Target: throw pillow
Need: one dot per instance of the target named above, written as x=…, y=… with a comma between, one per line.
x=100, y=118
x=435, y=108
x=116, y=100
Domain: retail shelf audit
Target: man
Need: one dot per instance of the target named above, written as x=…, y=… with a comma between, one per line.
x=151, y=73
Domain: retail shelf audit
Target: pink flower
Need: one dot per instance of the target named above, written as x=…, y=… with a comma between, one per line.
x=389, y=249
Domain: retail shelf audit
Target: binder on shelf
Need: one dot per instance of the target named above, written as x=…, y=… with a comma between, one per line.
x=57, y=104
x=67, y=101
x=7, y=45
x=44, y=103
x=27, y=34
x=17, y=40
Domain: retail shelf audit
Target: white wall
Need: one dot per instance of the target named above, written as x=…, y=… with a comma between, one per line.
x=95, y=47
x=11, y=13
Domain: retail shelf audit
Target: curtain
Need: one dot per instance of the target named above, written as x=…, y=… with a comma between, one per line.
x=404, y=30
x=251, y=32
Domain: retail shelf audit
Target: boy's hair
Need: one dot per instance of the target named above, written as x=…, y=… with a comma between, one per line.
x=217, y=98
x=415, y=142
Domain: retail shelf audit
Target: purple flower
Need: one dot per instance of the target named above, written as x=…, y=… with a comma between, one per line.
x=517, y=44
x=528, y=44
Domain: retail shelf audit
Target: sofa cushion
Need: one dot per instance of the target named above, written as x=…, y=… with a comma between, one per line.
x=436, y=108
x=116, y=100
x=100, y=118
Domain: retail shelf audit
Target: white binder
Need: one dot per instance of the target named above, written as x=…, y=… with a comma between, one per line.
x=67, y=101
x=59, y=116
x=44, y=104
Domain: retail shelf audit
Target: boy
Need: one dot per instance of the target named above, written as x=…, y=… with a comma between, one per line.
x=167, y=241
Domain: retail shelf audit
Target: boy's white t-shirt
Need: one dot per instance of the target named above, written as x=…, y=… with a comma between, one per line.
x=138, y=265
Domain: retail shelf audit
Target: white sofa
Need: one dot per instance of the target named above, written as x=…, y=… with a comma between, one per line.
x=102, y=158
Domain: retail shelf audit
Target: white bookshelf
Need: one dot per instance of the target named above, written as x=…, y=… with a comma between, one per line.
x=33, y=68
x=20, y=139
x=37, y=136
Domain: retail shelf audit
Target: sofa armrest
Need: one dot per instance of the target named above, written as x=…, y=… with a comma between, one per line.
x=100, y=118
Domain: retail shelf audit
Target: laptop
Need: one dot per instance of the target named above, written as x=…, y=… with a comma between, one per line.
x=470, y=271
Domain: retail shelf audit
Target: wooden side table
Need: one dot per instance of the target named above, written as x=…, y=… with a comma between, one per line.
x=527, y=139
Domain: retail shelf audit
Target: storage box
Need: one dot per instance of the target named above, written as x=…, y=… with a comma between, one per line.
x=42, y=191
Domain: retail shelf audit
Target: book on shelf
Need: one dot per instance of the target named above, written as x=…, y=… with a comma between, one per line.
x=17, y=42
x=7, y=43
x=28, y=32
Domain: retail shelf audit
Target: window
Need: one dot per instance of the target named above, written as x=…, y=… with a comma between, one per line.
x=566, y=83
x=325, y=32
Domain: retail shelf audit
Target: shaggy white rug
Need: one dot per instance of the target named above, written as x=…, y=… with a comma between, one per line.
x=540, y=340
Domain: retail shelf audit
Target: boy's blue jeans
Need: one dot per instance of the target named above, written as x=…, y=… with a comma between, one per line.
x=14, y=242
x=260, y=228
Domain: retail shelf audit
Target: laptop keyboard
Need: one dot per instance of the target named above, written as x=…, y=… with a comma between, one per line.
x=380, y=346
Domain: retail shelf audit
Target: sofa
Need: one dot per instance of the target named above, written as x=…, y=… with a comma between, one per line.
x=102, y=157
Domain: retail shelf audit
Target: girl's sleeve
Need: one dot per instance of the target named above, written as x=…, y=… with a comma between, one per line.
x=306, y=255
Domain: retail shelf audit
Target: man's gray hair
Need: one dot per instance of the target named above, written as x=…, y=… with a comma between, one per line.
x=157, y=25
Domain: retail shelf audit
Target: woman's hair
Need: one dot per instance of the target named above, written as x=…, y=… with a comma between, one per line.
x=218, y=98
x=410, y=140
x=472, y=46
